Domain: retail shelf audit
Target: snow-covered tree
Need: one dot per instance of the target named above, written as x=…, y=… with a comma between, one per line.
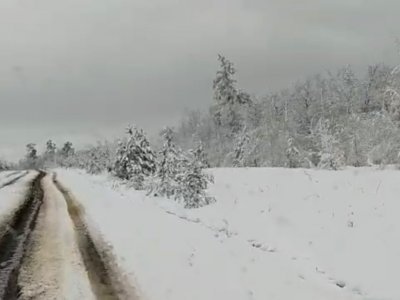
x=31, y=157
x=171, y=162
x=180, y=175
x=193, y=182
x=49, y=156
x=66, y=155
x=293, y=154
x=200, y=155
x=67, y=150
x=345, y=91
x=96, y=159
x=240, y=152
x=31, y=152
x=229, y=101
x=331, y=156
x=4, y=165
x=135, y=160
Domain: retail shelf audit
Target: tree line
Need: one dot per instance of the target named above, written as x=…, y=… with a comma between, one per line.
x=169, y=172
x=327, y=121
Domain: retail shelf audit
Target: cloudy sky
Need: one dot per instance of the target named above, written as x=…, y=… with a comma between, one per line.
x=83, y=69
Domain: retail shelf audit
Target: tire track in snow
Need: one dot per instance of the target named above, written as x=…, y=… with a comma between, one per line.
x=105, y=282
x=15, y=238
x=14, y=180
x=12, y=173
x=53, y=267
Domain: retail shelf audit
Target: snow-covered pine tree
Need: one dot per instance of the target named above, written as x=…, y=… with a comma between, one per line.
x=193, y=182
x=67, y=150
x=31, y=157
x=146, y=157
x=229, y=101
x=135, y=159
x=224, y=88
x=50, y=147
x=170, y=164
x=122, y=161
x=49, y=156
x=66, y=155
x=31, y=152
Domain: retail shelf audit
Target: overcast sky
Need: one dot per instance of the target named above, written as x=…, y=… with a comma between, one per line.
x=83, y=69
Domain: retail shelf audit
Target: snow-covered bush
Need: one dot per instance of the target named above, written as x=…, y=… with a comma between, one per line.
x=96, y=159
x=4, y=165
x=331, y=156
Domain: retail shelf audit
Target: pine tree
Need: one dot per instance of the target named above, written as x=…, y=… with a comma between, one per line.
x=135, y=160
x=170, y=165
x=50, y=153
x=193, y=182
x=224, y=88
x=227, y=109
x=67, y=150
x=66, y=155
x=31, y=155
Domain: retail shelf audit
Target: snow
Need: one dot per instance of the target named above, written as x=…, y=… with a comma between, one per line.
x=272, y=234
x=7, y=176
x=12, y=196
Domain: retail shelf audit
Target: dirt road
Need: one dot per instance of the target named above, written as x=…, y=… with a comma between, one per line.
x=48, y=252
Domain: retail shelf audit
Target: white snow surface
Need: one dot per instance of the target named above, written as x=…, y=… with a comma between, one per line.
x=12, y=196
x=272, y=234
x=6, y=176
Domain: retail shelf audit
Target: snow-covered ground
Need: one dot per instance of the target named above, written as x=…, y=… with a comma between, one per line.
x=12, y=196
x=272, y=234
x=7, y=176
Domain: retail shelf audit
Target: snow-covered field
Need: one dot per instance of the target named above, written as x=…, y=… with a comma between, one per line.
x=272, y=234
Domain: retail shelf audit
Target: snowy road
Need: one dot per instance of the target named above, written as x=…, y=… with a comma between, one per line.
x=46, y=250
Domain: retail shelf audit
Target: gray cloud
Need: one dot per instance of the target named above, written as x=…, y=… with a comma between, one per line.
x=82, y=69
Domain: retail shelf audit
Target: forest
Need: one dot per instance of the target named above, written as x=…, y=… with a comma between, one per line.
x=327, y=121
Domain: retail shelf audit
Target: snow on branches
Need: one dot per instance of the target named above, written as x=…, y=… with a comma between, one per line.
x=180, y=175
x=135, y=159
